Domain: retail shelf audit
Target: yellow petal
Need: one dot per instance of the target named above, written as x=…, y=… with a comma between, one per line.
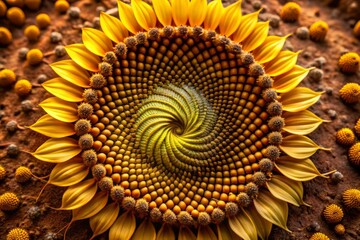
x=197, y=12
x=146, y=230
x=243, y=226
x=113, y=27
x=73, y=73
x=185, y=234
x=297, y=169
x=180, y=11
x=213, y=15
x=64, y=90
x=96, y=41
x=124, y=227
x=57, y=150
x=224, y=233
x=272, y=209
x=231, y=19
x=289, y=80
x=247, y=26
x=79, y=194
x=144, y=14
x=205, y=233
x=283, y=63
x=286, y=189
x=165, y=233
x=85, y=59
x=60, y=109
x=105, y=219
x=162, y=9
x=127, y=17
x=46, y=125
x=263, y=226
x=256, y=37
x=299, y=99
x=269, y=49
x=95, y=205
x=298, y=146
x=68, y=173
x=301, y=123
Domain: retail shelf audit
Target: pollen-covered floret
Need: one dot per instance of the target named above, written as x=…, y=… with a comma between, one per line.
x=61, y=6
x=333, y=213
x=345, y=136
x=350, y=93
x=105, y=184
x=89, y=158
x=23, y=174
x=34, y=57
x=32, y=33
x=43, y=20
x=217, y=216
x=169, y=217
x=319, y=236
x=23, y=87
x=318, y=31
x=7, y=77
x=349, y=62
x=17, y=234
x=351, y=198
x=290, y=12
x=9, y=201
x=117, y=193
x=5, y=36
x=16, y=16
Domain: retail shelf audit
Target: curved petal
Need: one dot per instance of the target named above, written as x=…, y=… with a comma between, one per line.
x=146, y=230
x=256, y=37
x=144, y=14
x=96, y=41
x=230, y=19
x=243, y=226
x=81, y=55
x=113, y=27
x=166, y=233
x=64, y=90
x=185, y=234
x=289, y=80
x=283, y=63
x=105, y=219
x=127, y=17
x=301, y=123
x=124, y=227
x=60, y=109
x=224, y=233
x=299, y=99
x=299, y=147
x=57, y=150
x=269, y=49
x=180, y=11
x=297, y=169
x=263, y=226
x=205, y=233
x=68, y=173
x=272, y=209
x=79, y=194
x=197, y=12
x=163, y=11
x=46, y=125
x=247, y=26
x=71, y=72
x=213, y=15
x=95, y=205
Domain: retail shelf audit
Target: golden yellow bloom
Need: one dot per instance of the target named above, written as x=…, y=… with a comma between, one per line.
x=23, y=87
x=356, y=30
x=318, y=31
x=34, y=56
x=5, y=36
x=178, y=123
x=333, y=213
x=345, y=136
x=354, y=154
x=61, y=6
x=43, y=20
x=319, y=236
x=2, y=173
x=351, y=198
x=349, y=62
x=9, y=201
x=32, y=32
x=350, y=93
x=7, y=77
x=339, y=229
x=18, y=234
x=22, y=174
x=290, y=12
x=16, y=16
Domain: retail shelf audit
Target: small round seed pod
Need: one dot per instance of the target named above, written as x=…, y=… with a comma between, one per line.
x=169, y=217
x=22, y=53
x=142, y=207
x=349, y=62
x=272, y=152
x=7, y=78
x=318, y=31
x=336, y=177
x=231, y=209
x=110, y=57
x=356, y=29
x=302, y=33
x=41, y=78
x=274, y=108
x=32, y=33
x=350, y=93
x=259, y=178
x=357, y=127
x=197, y=31
x=333, y=213
x=61, y=6
x=316, y=74
x=105, y=184
x=34, y=57
x=276, y=123
x=128, y=203
x=155, y=215
x=9, y=201
x=27, y=106
x=60, y=51
x=204, y=219
x=23, y=87
x=86, y=141
x=85, y=110
x=290, y=12
x=120, y=49
x=43, y=20
x=12, y=150
x=117, y=193
x=182, y=31
x=3, y=9
x=34, y=212
x=18, y=234
x=252, y=190
x=265, y=81
x=351, y=198
x=255, y=70
x=5, y=36
x=11, y=126
x=275, y=138
x=319, y=236
x=217, y=216
x=74, y=12
x=141, y=38
x=154, y=34
x=168, y=31
x=16, y=16
x=90, y=96
x=339, y=229
x=243, y=199
x=55, y=37
x=2, y=173
x=22, y=174
x=32, y=4
x=98, y=171
x=185, y=218
x=266, y=165
x=97, y=81
x=345, y=136
x=234, y=48
x=82, y=126
x=130, y=42
x=247, y=58
x=89, y=158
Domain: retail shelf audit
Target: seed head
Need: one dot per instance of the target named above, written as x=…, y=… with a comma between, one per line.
x=34, y=57
x=154, y=34
x=12, y=150
x=141, y=38
x=339, y=229
x=274, y=108
x=97, y=81
x=255, y=70
x=252, y=190
x=155, y=215
x=259, y=178
x=105, y=184
x=333, y=213
x=43, y=20
x=89, y=158
x=243, y=199
x=349, y=62
x=272, y=152
x=9, y=201
x=319, y=236
x=231, y=209
x=204, y=219
x=234, y=48
x=90, y=96
x=197, y=32
x=27, y=106
x=168, y=31
x=276, y=123
x=55, y=37
x=266, y=165
x=120, y=49
x=82, y=126
x=23, y=87
x=34, y=212
x=74, y=12
x=128, y=203
x=169, y=217
x=217, y=216
x=85, y=110
x=345, y=136
x=350, y=93
x=60, y=51
x=11, y=126
x=117, y=193
x=16, y=16
x=302, y=33
x=185, y=218
x=61, y=6
x=275, y=138
x=2, y=173
x=337, y=177
x=318, y=31
x=265, y=81
x=98, y=171
x=17, y=234
x=86, y=141
x=110, y=57
x=351, y=198
x=22, y=174
x=7, y=77
x=32, y=33
x=182, y=31
x=290, y=12
x=130, y=42
x=105, y=69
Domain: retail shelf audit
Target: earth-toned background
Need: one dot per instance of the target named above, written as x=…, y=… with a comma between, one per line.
x=341, y=15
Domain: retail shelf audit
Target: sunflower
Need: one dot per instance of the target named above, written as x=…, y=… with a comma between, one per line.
x=179, y=119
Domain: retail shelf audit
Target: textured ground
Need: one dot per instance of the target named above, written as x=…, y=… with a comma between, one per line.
x=319, y=192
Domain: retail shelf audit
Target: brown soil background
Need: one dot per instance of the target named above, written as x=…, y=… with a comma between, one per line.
x=319, y=192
